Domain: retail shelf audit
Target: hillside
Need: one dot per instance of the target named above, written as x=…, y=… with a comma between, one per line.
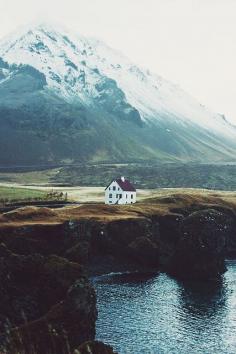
x=65, y=98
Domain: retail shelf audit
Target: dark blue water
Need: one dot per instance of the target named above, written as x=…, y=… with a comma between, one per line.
x=146, y=314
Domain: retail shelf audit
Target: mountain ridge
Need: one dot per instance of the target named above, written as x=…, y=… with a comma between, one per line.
x=99, y=94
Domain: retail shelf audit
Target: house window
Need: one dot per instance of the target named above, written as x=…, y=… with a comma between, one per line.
x=126, y=196
x=114, y=188
x=131, y=196
x=110, y=195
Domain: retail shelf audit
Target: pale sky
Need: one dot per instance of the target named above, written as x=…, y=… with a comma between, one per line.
x=190, y=42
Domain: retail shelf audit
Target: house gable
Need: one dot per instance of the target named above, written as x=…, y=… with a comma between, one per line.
x=120, y=191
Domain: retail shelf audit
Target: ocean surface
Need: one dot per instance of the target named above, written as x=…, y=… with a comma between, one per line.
x=158, y=314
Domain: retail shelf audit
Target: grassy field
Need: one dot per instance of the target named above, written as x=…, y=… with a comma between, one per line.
x=31, y=177
x=15, y=193
x=96, y=194
x=77, y=194
x=162, y=203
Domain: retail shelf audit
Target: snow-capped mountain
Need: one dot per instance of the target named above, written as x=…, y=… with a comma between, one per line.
x=157, y=118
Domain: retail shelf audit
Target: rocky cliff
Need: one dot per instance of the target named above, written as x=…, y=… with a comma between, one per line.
x=44, y=287
x=47, y=304
x=143, y=235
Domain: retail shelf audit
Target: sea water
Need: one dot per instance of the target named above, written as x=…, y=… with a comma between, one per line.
x=141, y=313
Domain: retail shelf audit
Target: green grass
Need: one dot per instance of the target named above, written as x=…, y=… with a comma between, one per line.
x=18, y=194
x=31, y=177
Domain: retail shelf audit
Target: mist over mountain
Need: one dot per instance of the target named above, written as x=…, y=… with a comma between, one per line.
x=65, y=98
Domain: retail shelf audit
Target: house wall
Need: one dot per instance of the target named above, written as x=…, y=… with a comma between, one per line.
x=113, y=192
x=128, y=198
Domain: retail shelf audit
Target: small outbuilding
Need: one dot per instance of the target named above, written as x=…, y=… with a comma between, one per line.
x=120, y=191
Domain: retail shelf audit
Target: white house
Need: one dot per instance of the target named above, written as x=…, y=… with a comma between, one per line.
x=120, y=191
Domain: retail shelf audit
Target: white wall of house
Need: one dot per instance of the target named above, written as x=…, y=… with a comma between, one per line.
x=115, y=195
x=112, y=193
x=128, y=198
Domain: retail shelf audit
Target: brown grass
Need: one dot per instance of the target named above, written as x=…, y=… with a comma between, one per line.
x=161, y=203
x=29, y=212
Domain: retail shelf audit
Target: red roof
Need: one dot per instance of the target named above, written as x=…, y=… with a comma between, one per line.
x=125, y=185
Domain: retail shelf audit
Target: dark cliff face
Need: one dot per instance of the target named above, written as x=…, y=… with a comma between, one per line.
x=188, y=245
x=128, y=243
x=200, y=251
x=43, y=283
x=185, y=243
x=131, y=242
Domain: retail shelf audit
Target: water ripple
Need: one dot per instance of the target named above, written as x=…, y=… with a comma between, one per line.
x=159, y=315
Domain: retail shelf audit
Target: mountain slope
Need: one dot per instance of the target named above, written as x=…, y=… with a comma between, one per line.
x=67, y=98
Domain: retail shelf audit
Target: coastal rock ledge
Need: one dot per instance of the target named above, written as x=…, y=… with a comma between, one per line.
x=47, y=302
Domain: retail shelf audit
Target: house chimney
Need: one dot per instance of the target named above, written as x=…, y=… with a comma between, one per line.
x=122, y=178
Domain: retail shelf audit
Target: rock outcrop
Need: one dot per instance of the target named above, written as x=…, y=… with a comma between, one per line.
x=47, y=304
x=114, y=239
x=200, y=251
x=131, y=241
